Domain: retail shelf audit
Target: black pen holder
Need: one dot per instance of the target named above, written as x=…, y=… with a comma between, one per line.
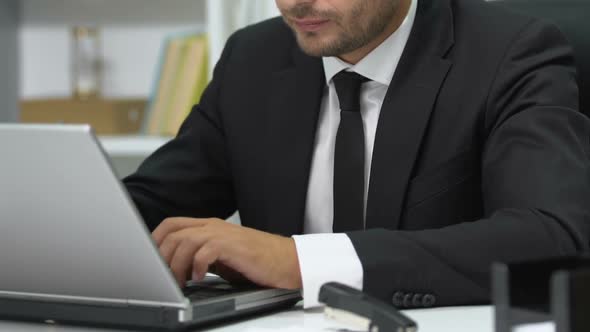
x=554, y=290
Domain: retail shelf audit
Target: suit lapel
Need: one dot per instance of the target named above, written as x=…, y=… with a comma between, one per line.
x=295, y=99
x=406, y=112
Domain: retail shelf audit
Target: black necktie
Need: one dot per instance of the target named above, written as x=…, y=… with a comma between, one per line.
x=349, y=155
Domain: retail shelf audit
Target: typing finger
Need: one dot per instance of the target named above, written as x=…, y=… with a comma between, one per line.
x=206, y=256
x=182, y=260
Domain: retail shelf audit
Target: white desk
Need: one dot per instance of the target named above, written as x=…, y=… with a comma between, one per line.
x=128, y=152
x=132, y=146
x=459, y=319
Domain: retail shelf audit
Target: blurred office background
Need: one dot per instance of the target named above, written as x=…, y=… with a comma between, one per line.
x=154, y=59
x=140, y=51
x=133, y=68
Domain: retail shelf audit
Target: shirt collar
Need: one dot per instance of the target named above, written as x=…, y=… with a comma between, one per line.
x=381, y=63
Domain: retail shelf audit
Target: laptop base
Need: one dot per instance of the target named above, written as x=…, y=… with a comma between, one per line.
x=143, y=318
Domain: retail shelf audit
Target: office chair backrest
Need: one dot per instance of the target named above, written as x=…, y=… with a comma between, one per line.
x=572, y=17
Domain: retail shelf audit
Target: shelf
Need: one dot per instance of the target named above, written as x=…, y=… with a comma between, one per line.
x=112, y=12
x=37, y=38
x=131, y=35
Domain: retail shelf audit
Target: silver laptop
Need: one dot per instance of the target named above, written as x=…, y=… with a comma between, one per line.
x=73, y=248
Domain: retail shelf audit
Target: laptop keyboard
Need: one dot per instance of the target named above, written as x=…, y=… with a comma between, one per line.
x=208, y=289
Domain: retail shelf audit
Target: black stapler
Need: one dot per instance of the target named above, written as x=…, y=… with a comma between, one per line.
x=351, y=306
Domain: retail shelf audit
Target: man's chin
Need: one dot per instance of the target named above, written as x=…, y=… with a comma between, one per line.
x=311, y=52
x=320, y=47
x=312, y=48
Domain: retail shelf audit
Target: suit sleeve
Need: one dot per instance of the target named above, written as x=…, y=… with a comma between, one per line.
x=535, y=187
x=190, y=176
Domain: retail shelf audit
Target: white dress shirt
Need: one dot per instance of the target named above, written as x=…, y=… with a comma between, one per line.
x=324, y=256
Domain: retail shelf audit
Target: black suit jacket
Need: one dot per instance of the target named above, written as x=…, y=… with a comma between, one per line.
x=480, y=155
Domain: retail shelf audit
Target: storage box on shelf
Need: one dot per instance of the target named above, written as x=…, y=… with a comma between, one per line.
x=107, y=117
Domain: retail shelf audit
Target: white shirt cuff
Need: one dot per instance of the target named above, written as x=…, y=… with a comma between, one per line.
x=325, y=258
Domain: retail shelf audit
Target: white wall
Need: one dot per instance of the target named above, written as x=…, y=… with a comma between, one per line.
x=132, y=32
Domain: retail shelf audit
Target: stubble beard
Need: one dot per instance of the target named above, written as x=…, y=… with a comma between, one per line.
x=351, y=36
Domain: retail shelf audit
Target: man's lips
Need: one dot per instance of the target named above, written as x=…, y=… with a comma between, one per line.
x=310, y=25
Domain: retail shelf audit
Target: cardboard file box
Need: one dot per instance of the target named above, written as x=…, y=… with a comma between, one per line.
x=107, y=117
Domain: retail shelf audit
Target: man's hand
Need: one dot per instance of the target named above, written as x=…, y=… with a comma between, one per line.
x=194, y=245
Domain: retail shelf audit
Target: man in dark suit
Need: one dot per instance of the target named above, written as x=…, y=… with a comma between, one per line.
x=434, y=137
